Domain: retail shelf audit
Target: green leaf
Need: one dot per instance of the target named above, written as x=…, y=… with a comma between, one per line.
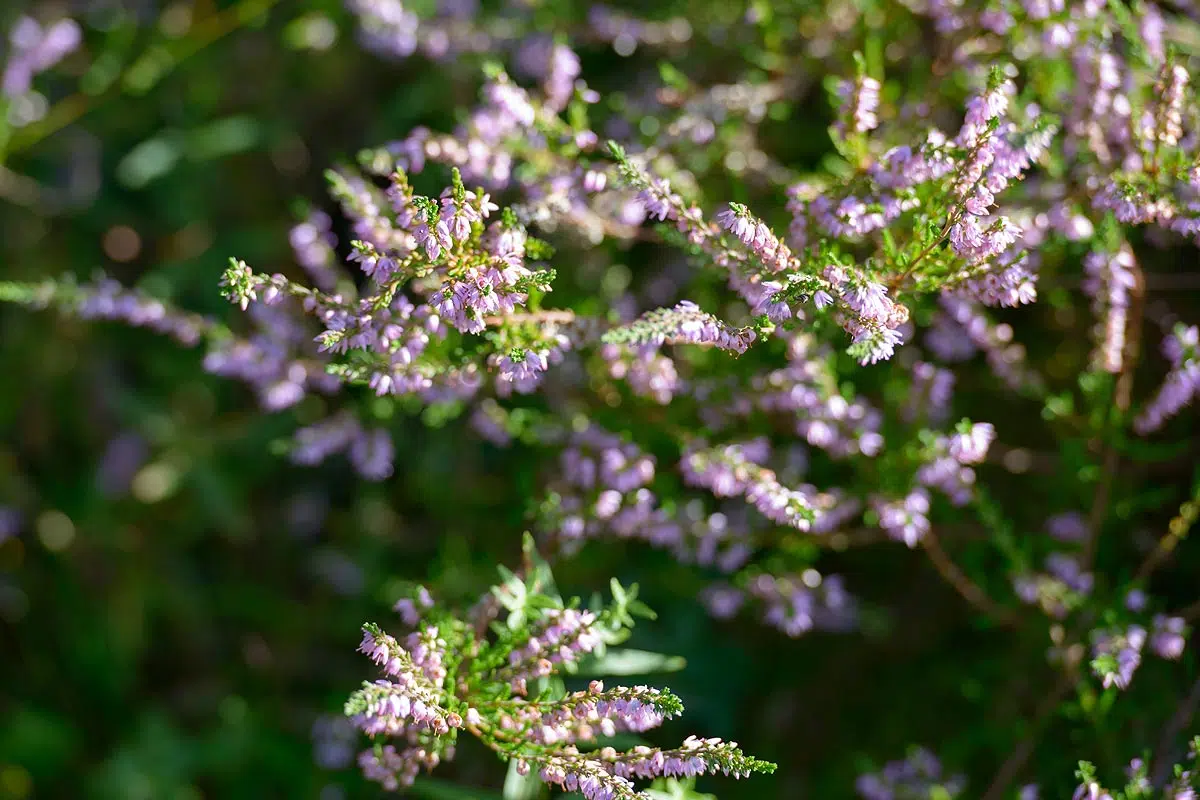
x=675, y=789
x=618, y=592
x=435, y=789
x=522, y=787
x=223, y=137
x=149, y=161
x=638, y=608
x=633, y=662
x=671, y=76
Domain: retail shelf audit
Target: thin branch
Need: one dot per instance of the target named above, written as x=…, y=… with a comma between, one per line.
x=1016, y=760
x=1099, y=510
x=1189, y=613
x=1162, y=762
x=1177, y=531
x=970, y=591
x=844, y=539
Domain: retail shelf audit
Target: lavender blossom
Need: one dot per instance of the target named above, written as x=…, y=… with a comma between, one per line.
x=906, y=520
x=10, y=523
x=1111, y=280
x=732, y=470
x=970, y=444
x=1117, y=653
x=1168, y=636
x=36, y=49
x=861, y=103
x=798, y=604
x=1069, y=526
x=918, y=775
x=683, y=324
x=1182, y=348
x=312, y=242
x=424, y=707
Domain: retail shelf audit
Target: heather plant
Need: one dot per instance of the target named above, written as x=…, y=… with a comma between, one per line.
x=757, y=361
x=1177, y=783
x=500, y=680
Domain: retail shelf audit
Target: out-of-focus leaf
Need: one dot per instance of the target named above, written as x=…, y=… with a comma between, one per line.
x=521, y=787
x=149, y=161
x=37, y=739
x=675, y=789
x=634, y=662
x=148, y=69
x=434, y=789
x=223, y=137
x=312, y=31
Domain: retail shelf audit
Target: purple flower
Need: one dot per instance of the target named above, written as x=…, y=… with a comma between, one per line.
x=931, y=393
x=1109, y=283
x=312, y=242
x=36, y=49
x=861, y=102
x=879, y=344
x=1168, y=636
x=971, y=447
x=1182, y=383
x=1117, y=654
x=870, y=300
x=658, y=199
x=386, y=27
x=10, y=523
x=1067, y=527
x=512, y=102
x=906, y=520
x=915, y=776
x=123, y=457
x=435, y=239
x=371, y=453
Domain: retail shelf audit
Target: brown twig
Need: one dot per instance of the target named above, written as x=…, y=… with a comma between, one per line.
x=1108, y=471
x=839, y=540
x=970, y=591
x=20, y=189
x=1189, y=613
x=1162, y=761
x=1177, y=531
x=1016, y=760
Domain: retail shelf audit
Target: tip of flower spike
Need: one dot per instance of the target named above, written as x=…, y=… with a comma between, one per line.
x=237, y=283
x=765, y=767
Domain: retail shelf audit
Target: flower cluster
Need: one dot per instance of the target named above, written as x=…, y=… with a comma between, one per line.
x=736, y=470
x=1180, y=783
x=502, y=683
x=34, y=49
x=1182, y=348
x=917, y=775
x=370, y=451
x=1117, y=654
x=1111, y=282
